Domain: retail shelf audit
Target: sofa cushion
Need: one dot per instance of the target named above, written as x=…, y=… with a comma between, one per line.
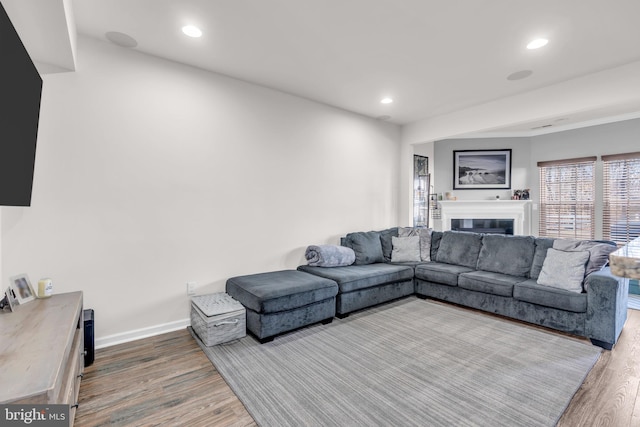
x=530, y=291
x=446, y=274
x=510, y=255
x=385, y=241
x=489, y=282
x=436, y=238
x=366, y=245
x=460, y=248
x=405, y=249
x=542, y=244
x=354, y=277
x=564, y=270
x=278, y=291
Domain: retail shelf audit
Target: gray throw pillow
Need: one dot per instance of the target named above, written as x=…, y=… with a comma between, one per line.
x=598, y=251
x=405, y=249
x=564, y=270
x=367, y=247
x=598, y=257
x=425, y=239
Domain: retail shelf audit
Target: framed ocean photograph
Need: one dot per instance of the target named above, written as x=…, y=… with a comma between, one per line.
x=482, y=169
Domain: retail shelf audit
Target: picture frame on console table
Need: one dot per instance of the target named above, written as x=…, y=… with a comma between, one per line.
x=23, y=289
x=482, y=169
x=9, y=299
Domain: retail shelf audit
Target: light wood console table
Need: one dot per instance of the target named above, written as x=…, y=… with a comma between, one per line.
x=42, y=351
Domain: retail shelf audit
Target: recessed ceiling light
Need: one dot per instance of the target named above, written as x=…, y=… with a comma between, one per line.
x=537, y=43
x=386, y=100
x=192, y=31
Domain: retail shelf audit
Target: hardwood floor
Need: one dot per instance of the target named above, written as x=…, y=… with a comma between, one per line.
x=159, y=381
x=168, y=381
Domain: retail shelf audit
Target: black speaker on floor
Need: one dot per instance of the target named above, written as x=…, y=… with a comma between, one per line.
x=89, y=341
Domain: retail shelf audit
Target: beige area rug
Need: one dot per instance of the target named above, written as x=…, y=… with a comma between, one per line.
x=407, y=363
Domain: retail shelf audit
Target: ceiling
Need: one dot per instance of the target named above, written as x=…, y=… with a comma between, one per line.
x=432, y=57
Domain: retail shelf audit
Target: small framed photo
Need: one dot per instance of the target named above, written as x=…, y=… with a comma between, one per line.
x=22, y=287
x=9, y=299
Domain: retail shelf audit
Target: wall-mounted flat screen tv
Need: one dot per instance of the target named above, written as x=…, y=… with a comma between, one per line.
x=20, y=91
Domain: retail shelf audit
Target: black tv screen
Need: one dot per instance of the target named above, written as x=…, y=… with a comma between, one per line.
x=20, y=91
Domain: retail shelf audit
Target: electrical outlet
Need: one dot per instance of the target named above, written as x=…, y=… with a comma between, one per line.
x=191, y=288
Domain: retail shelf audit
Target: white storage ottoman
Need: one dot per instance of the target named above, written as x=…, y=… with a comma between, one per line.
x=217, y=318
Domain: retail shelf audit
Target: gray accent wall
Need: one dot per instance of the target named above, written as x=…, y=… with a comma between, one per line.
x=611, y=138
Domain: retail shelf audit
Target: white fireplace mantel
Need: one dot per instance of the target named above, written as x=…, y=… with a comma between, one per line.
x=518, y=210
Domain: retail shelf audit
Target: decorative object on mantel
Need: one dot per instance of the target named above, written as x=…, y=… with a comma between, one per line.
x=22, y=287
x=520, y=194
x=625, y=262
x=482, y=169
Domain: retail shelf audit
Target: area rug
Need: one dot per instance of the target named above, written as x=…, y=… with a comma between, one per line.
x=407, y=363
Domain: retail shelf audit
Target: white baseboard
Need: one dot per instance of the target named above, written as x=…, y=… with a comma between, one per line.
x=137, y=334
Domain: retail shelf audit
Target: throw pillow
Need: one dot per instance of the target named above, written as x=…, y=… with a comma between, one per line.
x=598, y=251
x=598, y=257
x=564, y=270
x=405, y=249
x=425, y=239
x=367, y=247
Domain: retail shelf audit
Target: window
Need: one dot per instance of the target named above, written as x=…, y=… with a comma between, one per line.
x=621, y=213
x=567, y=193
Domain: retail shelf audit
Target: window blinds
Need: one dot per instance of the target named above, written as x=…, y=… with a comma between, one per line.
x=567, y=193
x=621, y=188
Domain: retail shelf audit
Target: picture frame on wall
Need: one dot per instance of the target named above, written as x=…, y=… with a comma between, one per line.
x=22, y=288
x=482, y=169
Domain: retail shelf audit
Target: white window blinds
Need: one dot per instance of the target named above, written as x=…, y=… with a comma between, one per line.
x=621, y=188
x=567, y=193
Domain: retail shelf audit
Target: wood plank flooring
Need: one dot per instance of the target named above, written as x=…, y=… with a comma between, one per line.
x=159, y=381
x=168, y=381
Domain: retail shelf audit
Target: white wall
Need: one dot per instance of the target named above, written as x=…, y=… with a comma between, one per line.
x=150, y=174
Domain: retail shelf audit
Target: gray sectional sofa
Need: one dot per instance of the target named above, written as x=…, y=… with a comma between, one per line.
x=571, y=292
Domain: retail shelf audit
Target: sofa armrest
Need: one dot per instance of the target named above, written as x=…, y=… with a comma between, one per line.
x=607, y=297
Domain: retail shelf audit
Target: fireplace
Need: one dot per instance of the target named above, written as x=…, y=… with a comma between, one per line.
x=517, y=212
x=483, y=225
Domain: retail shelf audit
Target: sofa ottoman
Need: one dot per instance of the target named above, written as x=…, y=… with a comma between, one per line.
x=281, y=301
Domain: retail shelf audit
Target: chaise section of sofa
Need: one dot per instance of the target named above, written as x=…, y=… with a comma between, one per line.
x=372, y=279
x=361, y=286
